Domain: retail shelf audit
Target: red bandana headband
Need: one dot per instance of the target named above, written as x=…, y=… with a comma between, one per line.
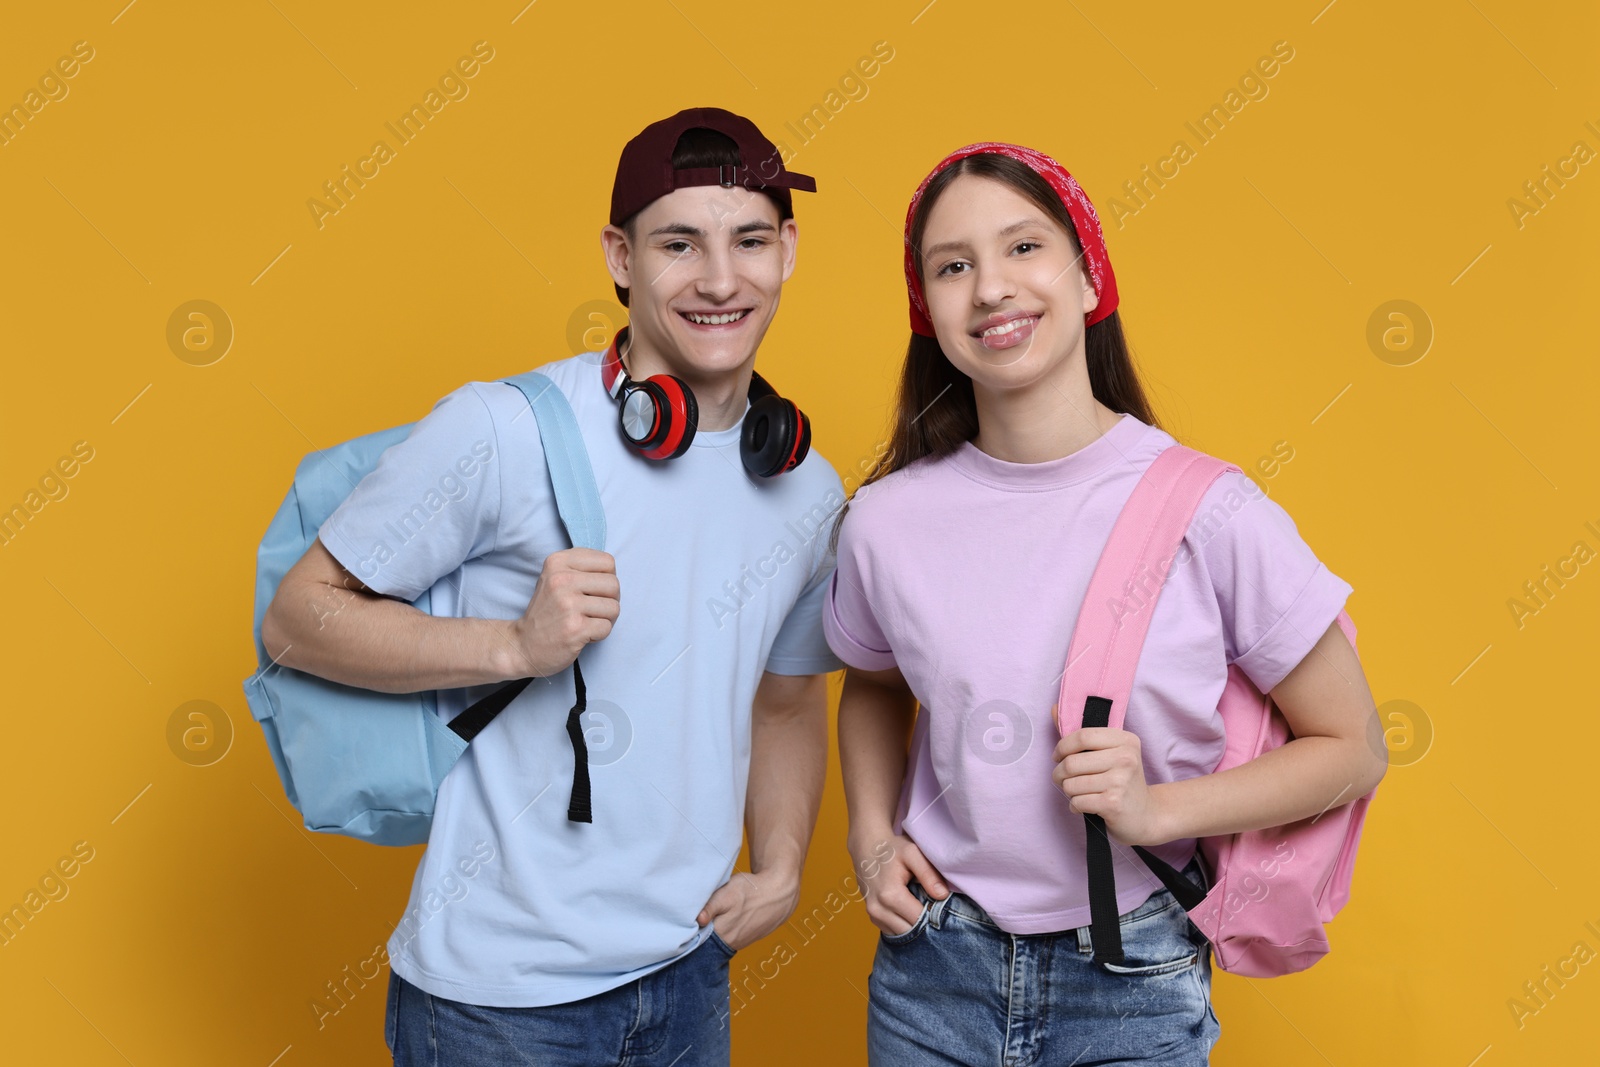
x=1084, y=220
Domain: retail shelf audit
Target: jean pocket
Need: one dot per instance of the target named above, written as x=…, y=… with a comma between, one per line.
x=725, y=948
x=1156, y=940
x=910, y=935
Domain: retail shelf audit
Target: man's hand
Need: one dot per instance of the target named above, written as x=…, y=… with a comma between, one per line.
x=1102, y=773
x=884, y=868
x=576, y=601
x=749, y=906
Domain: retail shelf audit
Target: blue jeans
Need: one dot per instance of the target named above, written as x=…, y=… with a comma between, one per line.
x=956, y=989
x=675, y=1016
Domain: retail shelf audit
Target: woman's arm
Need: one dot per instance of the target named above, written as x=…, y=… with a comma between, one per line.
x=1336, y=754
x=876, y=711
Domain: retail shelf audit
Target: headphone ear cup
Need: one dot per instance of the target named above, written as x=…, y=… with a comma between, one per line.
x=641, y=415
x=804, y=447
x=679, y=416
x=776, y=437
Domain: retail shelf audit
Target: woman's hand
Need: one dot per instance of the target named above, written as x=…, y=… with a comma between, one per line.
x=1102, y=773
x=885, y=864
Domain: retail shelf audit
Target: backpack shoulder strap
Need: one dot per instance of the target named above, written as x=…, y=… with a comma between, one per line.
x=577, y=494
x=1107, y=639
x=1116, y=611
x=578, y=503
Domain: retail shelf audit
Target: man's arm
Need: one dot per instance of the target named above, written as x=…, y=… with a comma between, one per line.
x=326, y=621
x=788, y=763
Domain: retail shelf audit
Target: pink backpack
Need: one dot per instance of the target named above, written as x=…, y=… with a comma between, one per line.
x=1271, y=890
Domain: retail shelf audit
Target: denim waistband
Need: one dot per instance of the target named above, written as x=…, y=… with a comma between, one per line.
x=954, y=904
x=957, y=903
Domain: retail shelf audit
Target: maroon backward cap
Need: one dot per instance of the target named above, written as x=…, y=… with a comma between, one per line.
x=645, y=173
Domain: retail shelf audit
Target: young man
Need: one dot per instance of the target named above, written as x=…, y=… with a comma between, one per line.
x=532, y=936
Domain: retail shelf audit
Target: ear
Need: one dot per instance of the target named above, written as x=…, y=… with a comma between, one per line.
x=1091, y=299
x=619, y=255
x=789, y=238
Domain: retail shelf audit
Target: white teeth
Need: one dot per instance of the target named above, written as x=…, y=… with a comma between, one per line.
x=715, y=320
x=996, y=331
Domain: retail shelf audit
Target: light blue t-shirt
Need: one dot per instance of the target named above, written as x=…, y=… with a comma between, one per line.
x=722, y=575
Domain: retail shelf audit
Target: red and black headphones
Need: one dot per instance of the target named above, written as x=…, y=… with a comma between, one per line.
x=658, y=417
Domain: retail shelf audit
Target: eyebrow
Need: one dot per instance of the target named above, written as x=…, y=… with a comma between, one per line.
x=683, y=229
x=948, y=246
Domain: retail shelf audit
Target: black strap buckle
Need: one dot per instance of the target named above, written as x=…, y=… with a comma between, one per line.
x=727, y=173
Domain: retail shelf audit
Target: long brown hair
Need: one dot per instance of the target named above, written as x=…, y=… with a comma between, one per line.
x=935, y=410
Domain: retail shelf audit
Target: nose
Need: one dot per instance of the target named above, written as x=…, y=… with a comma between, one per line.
x=993, y=284
x=718, y=279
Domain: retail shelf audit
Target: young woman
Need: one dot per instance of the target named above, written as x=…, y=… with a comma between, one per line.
x=1020, y=431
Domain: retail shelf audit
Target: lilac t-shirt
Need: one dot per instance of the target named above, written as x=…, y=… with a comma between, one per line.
x=967, y=572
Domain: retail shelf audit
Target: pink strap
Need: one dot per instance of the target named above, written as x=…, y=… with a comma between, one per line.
x=1128, y=579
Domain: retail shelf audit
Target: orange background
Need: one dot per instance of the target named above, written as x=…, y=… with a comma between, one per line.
x=1437, y=478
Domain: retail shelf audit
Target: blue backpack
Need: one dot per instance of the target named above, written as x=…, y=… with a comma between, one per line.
x=368, y=764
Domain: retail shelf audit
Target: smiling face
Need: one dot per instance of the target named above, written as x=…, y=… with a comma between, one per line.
x=704, y=269
x=1005, y=285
